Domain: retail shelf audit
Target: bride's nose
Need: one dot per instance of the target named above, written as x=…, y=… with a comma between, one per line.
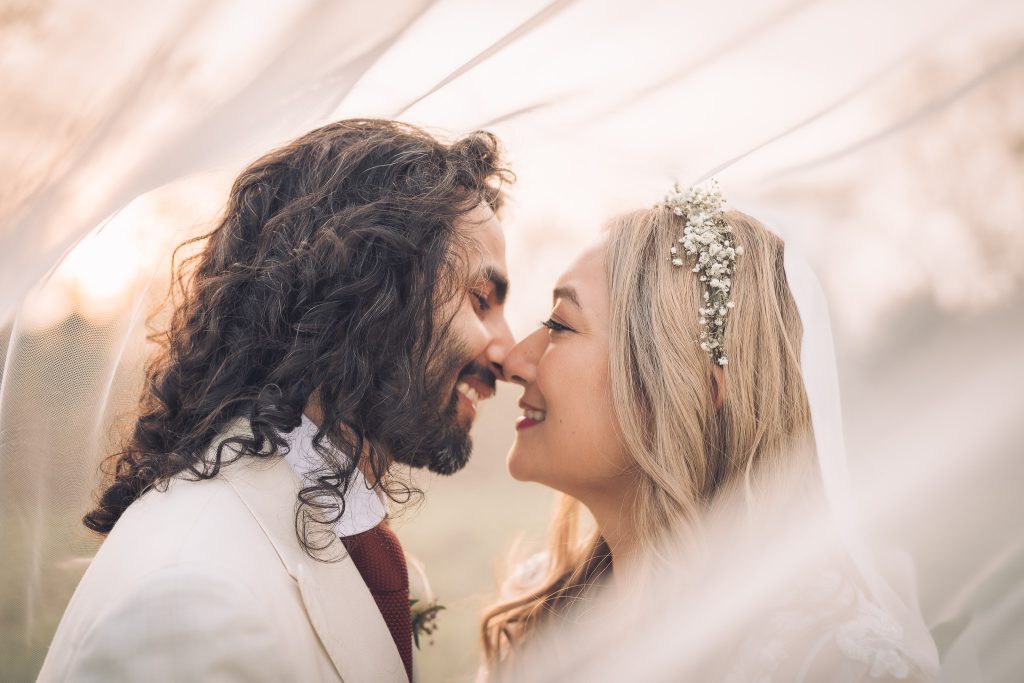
x=520, y=366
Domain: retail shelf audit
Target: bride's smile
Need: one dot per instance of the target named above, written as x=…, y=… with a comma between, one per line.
x=567, y=435
x=531, y=416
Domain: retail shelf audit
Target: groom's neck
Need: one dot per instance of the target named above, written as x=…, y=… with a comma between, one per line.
x=315, y=415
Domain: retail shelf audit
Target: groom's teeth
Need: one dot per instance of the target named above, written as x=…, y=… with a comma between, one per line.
x=535, y=415
x=468, y=391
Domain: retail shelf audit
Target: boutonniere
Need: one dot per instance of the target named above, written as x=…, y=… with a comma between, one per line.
x=424, y=619
x=423, y=606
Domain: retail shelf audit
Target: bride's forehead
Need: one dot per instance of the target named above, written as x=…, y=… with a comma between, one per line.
x=588, y=265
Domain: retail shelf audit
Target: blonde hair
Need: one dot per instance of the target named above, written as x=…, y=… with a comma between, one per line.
x=689, y=456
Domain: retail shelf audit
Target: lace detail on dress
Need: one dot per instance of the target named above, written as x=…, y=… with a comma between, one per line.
x=525, y=574
x=829, y=625
x=875, y=639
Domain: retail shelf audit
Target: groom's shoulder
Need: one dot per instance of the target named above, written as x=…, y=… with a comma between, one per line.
x=190, y=520
x=184, y=567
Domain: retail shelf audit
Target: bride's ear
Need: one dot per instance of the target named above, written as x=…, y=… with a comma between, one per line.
x=717, y=386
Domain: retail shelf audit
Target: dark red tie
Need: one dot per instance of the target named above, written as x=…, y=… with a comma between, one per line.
x=378, y=556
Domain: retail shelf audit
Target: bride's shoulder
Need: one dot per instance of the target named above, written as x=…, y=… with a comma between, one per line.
x=526, y=574
x=827, y=629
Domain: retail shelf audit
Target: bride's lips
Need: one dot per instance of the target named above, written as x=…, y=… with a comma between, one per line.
x=532, y=416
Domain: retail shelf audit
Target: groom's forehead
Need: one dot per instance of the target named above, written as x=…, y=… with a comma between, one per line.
x=483, y=226
x=487, y=251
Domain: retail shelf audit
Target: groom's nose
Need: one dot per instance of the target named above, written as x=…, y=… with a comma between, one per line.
x=500, y=344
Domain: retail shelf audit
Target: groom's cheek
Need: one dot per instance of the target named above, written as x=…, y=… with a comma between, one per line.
x=474, y=336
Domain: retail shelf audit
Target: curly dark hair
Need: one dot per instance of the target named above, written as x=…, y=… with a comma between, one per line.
x=321, y=279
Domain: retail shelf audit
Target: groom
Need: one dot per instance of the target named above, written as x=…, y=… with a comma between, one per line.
x=342, y=320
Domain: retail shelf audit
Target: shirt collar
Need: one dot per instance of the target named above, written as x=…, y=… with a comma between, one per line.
x=364, y=506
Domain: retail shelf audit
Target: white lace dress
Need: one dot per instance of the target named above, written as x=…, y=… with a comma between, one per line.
x=827, y=631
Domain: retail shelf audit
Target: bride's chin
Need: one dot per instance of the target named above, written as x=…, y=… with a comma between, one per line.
x=516, y=464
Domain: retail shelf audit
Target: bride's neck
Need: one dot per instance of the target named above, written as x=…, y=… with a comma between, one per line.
x=615, y=515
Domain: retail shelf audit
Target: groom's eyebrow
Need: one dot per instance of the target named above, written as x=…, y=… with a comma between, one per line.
x=567, y=293
x=498, y=280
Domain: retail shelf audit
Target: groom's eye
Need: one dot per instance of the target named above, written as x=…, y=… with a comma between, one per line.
x=556, y=326
x=481, y=300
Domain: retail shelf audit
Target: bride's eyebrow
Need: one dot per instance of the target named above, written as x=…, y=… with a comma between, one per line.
x=566, y=293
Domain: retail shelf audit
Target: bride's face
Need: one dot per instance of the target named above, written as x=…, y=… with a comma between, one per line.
x=567, y=436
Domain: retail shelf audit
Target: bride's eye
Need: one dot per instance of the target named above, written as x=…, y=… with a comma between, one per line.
x=556, y=326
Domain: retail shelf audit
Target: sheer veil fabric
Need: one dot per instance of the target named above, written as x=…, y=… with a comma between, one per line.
x=124, y=123
x=821, y=381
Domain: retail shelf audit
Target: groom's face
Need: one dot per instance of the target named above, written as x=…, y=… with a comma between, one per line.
x=465, y=369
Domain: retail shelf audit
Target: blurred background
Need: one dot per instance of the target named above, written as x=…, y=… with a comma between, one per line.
x=884, y=139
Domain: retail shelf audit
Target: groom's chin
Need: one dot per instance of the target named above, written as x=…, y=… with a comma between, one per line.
x=453, y=456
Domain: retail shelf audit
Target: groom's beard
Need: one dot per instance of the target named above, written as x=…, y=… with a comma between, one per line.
x=443, y=440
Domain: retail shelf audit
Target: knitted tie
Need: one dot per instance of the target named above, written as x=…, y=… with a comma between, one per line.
x=378, y=556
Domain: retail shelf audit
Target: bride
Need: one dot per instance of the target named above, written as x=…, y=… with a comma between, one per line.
x=667, y=395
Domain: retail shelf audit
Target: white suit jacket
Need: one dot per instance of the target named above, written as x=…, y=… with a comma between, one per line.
x=207, y=581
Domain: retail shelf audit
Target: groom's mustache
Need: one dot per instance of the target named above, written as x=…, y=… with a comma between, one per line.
x=481, y=373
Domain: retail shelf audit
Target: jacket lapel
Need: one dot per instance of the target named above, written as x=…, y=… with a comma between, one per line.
x=337, y=601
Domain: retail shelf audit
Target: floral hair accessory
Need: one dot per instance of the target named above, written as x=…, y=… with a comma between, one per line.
x=708, y=238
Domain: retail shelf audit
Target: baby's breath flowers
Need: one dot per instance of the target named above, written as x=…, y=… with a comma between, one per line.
x=708, y=238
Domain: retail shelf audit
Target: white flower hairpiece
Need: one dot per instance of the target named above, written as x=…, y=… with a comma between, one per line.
x=707, y=237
